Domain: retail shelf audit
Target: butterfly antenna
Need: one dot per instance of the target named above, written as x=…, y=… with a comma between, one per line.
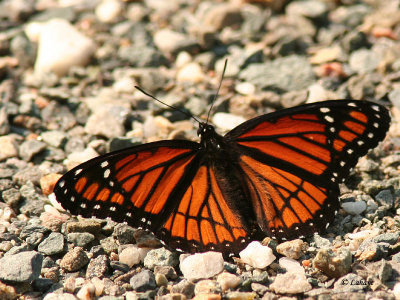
x=219, y=87
x=170, y=106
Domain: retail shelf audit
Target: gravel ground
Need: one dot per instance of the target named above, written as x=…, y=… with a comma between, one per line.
x=67, y=74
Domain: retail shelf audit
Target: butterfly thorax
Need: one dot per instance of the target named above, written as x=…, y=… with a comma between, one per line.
x=210, y=140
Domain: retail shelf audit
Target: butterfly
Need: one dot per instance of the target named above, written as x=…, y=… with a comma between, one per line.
x=278, y=174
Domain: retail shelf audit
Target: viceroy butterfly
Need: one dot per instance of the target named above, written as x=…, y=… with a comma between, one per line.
x=278, y=172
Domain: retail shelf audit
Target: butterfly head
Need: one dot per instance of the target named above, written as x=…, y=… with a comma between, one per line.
x=209, y=139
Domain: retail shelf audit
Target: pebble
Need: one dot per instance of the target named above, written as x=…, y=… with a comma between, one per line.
x=291, y=265
x=228, y=281
x=103, y=122
x=333, y=264
x=108, y=11
x=61, y=47
x=21, y=267
x=289, y=73
x=354, y=208
x=364, y=61
x=130, y=256
x=290, y=283
x=53, y=244
x=160, y=257
x=143, y=281
x=226, y=121
x=29, y=149
x=191, y=72
x=207, y=286
x=172, y=42
x=351, y=283
x=74, y=259
x=8, y=147
x=98, y=266
x=202, y=265
x=257, y=255
x=292, y=249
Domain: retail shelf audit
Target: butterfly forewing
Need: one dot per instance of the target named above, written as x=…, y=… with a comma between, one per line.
x=135, y=185
x=294, y=159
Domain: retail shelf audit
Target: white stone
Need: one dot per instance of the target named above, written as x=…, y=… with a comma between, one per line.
x=76, y=158
x=182, y=59
x=86, y=292
x=291, y=265
x=191, y=72
x=225, y=121
x=362, y=235
x=166, y=39
x=130, y=256
x=61, y=46
x=245, y=88
x=108, y=10
x=228, y=281
x=202, y=265
x=354, y=208
x=257, y=255
x=396, y=291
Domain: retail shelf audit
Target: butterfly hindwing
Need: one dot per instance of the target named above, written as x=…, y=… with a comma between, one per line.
x=206, y=218
x=294, y=159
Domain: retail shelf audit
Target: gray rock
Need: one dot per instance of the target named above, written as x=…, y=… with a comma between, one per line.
x=364, y=61
x=74, y=260
x=54, y=138
x=290, y=283
x=160, y=257
x=283, y=74
x=22, y=267
x=143, y=281
x=33, y=234
x=124, y=233
x=53, y=244
x=29, y=149
x=98, y=267
x=142, y=56
x=80, y=239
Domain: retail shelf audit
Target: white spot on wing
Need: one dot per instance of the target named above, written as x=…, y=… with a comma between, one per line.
x=107, y=173
x=104, y=164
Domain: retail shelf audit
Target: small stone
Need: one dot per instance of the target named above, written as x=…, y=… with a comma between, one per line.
x=228, y=281
x=290, y=283
x=143, y=281
x=396, y=290
x=292, y=249
x=207, y=286
x=364, y=61
x=109, y=244
x=173, y=42
x=124, y=234
x=257, y=255
x=223, y=15
x=91, y=226
x=245, y=88
x=53, y=244
x=21, y=267
x=202, y=265
x=184, y=287
x=160, y=257
x=108, y=11
x=54, y=138
x=130, y=256
x=97, y=267
x=29, y=149
x=74, y=260
x=225, y=121
x=61, y=46
x=161, y=280
x=168, y=271
x=240, y=296
x=291, y=265
x=190, y=73
x=48, y=182
x=8, y=147
x=207, y=297
x=86, y=292
x=290, y=73
x=333, y=264
x=81, y=239
x=354, y=208
x=104, y=123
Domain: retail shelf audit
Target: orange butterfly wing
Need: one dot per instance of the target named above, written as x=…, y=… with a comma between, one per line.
x=293, y=161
